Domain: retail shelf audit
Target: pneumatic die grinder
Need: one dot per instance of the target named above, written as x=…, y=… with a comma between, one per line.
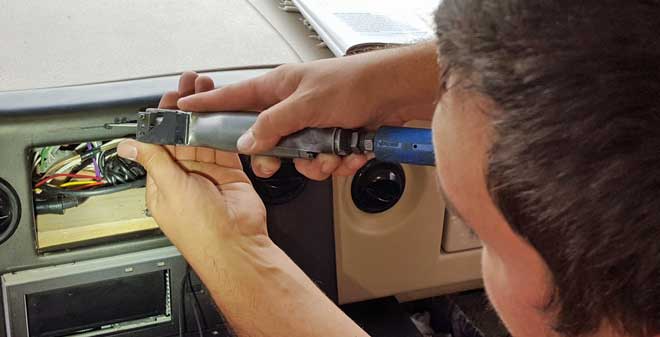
x=221, y=130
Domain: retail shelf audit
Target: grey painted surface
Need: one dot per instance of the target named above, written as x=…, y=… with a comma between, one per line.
x=65, y=42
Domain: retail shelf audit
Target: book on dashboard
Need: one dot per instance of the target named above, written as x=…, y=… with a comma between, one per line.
x=354, y=26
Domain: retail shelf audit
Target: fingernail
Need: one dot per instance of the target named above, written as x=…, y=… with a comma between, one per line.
x=261, y=169
x=245, y=142
x=127, y=150
x=182, y=103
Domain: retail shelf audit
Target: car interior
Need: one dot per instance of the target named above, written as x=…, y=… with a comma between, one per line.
x=380, y=243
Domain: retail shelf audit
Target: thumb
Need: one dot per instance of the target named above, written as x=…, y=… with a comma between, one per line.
x=282, y=119
x=166, y=174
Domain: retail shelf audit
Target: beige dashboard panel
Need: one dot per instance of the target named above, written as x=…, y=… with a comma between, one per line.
x=457, y=236
x=289, y=26
x=96, y=41
x=398, y=251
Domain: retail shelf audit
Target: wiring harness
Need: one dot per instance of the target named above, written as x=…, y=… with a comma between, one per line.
x=64, y=176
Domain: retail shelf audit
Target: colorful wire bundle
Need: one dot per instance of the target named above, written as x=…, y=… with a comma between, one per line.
x=76, y=172
x=60, y=175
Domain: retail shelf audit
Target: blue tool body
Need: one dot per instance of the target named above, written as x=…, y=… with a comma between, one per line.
x=404, y=145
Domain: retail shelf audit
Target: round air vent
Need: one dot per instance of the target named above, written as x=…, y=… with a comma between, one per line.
x=282, y=187
x=378, y=186
x=10, y=211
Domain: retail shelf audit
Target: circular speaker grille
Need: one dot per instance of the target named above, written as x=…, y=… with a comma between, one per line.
x=10, y=211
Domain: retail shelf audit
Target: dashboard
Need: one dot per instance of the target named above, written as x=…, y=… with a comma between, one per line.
x=382, y=232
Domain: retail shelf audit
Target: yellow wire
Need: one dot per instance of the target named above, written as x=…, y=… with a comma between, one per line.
x=78, y=183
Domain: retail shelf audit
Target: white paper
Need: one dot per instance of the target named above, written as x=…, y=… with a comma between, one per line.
x=346, y=24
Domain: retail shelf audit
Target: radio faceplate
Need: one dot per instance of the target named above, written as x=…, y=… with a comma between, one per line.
x=109, y=295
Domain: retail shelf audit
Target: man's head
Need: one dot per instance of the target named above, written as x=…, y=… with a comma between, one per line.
x=548, y=145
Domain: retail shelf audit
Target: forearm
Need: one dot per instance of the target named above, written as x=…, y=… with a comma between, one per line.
x=407, y=78
x=262, y=292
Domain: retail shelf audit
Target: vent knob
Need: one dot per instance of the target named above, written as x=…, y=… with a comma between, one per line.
x=378, y=186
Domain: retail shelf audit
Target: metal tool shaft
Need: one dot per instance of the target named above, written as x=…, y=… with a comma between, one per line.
x=221, y=131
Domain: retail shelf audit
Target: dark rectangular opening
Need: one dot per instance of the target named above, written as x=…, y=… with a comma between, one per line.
x=96, y=305
x=84, y=195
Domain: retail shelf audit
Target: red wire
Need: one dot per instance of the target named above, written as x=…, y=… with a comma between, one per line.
x=88, y=185
x=68, y=175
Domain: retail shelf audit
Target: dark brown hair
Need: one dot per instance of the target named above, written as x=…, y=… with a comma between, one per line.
x=575, y=164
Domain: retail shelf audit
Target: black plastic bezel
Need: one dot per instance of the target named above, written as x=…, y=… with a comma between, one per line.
x=15, y=208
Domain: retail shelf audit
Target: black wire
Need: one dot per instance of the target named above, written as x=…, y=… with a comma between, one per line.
x=197, y=303
x=57, y=204
x=182, y=304
x=188, y=279
x=96, y=191
x=195, y=310
x=117, y=170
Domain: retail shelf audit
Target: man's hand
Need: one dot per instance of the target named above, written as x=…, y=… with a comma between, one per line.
x=388, y=87
x=189, y=188
x=205, y=204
